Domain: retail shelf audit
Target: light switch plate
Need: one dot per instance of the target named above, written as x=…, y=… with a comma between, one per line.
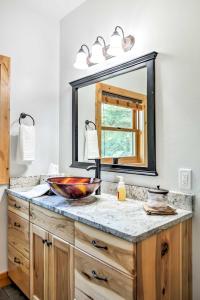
x=185, y=179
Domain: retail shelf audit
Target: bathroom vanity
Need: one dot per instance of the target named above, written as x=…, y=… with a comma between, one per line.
x=103, y=249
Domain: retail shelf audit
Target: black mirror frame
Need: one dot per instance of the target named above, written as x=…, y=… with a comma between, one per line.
x=147, y=61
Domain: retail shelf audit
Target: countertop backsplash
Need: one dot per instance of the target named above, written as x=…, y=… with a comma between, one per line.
x=177, y=199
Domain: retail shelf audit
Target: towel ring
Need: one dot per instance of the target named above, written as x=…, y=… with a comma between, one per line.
x=23, y=116
x=87, y=123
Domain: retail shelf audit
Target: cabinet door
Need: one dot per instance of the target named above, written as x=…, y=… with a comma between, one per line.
x=60, y=269
x=38, y=263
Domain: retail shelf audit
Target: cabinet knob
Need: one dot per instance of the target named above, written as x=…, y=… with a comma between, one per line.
x=17, y=261
x=94, y=243
x=17, y=225
x=164, y=248
x=17, y=206
x=98, y=277
x=44, y=241
x=49, y=244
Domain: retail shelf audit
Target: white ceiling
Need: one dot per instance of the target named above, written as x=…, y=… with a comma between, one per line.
x=53, y=8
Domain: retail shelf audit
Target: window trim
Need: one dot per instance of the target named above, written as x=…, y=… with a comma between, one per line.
x=141, y=156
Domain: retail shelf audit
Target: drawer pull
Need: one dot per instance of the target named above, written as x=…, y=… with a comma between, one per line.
x=17, y=261
x=102, y=278
x=17, y=206
x=49, y=244
x=94, y=243
x=44, y=241
x=17, y=225
x=164, y=248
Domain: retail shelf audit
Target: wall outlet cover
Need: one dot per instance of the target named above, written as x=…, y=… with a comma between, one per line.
x=185, y=179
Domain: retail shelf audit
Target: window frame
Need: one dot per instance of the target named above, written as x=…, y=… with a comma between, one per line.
x=122, y=97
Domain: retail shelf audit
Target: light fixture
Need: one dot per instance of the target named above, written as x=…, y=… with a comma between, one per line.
x=119, y=43
x=82, y=58
x=98, y=51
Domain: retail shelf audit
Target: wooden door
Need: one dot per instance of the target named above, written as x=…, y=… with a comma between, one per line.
x=60, y=269
x=4, y=118
x=38, y=263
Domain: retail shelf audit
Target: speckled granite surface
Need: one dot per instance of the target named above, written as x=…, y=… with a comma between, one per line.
x=177, y=199
x=126, y=220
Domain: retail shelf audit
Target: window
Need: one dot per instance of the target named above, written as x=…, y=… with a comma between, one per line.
x=120, y=125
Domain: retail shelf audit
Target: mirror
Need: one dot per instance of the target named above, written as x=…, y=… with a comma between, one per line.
x=120, y=101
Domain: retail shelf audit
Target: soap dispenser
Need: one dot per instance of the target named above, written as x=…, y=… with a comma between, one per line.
x=121, y=189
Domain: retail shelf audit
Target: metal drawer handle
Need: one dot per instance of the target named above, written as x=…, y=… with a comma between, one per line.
x=17, y=206
x=44, y=241
x=164, y=248
x=94, y=243
x=17, y=225
x=17, y=261
x=49, y=244
x=102, y=278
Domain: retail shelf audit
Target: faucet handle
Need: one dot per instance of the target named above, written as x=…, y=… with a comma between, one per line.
x=92, y=167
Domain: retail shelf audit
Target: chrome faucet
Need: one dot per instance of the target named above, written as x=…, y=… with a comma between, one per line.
x=97, y=168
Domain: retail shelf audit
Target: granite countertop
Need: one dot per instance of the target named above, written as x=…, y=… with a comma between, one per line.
x=126, y=220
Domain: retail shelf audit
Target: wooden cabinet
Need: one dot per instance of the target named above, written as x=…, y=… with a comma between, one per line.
x=51, y=266
x=164, y=266
x=38, y=263
x=18, y=206
x=114, y=251
x=18, y=233
x=59, y=225
x=18, y=243
x=75, y=261
x=96, y=280
x=18, y=267
x=61, y=269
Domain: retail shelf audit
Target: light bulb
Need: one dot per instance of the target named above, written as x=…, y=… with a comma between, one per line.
x=97, y=53
x=116, y=47
x=81, y=60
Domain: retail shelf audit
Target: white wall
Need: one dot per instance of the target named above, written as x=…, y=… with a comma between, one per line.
x=32, y=42
x=171, y=28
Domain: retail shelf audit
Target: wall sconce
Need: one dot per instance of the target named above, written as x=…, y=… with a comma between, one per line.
x=98, y=51
x=82, y=58
x=101, y=52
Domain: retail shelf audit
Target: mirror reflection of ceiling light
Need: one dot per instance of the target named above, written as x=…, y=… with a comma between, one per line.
x=101, y=52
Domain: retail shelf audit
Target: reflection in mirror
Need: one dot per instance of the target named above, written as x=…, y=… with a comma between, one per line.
x=118, y=107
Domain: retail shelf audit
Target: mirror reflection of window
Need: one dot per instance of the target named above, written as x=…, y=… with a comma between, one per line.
x=120, y=119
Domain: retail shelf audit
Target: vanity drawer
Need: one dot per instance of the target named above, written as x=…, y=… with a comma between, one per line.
x=18, y=269
x=58, y=225
x=18, y=233
x=110, y=249
x=18, y=206
x=97, y=281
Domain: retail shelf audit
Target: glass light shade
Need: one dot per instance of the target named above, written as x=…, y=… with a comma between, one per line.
x=97, y=53
x=115, y=47
x=81, y=60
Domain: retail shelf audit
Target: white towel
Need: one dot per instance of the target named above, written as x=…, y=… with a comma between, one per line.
x=91, y=147
x=26, y=143
x=36, y=191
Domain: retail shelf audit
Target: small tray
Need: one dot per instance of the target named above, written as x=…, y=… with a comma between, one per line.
x=168, y=210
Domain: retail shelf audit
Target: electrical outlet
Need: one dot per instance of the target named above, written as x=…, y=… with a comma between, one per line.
x=185, y=179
